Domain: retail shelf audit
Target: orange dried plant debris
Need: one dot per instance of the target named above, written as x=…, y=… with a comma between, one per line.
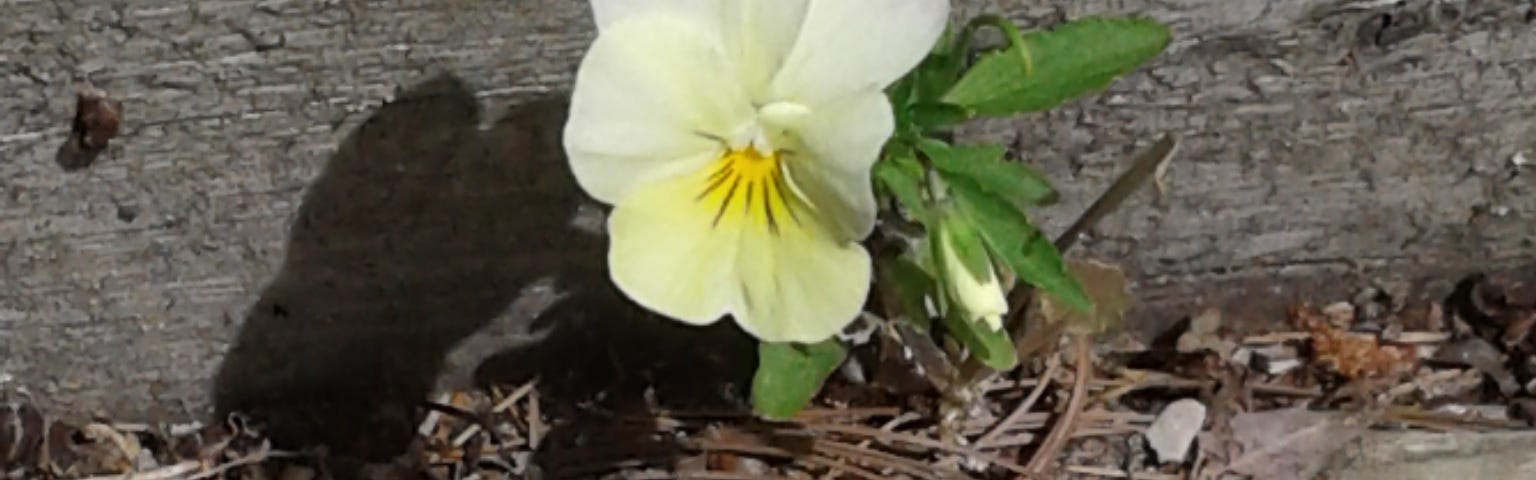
x=1353, y=356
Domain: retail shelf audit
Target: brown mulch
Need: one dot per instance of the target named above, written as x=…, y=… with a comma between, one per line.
x=1335, y=370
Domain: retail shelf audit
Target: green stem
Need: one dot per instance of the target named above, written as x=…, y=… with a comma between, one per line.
x=1009, y=31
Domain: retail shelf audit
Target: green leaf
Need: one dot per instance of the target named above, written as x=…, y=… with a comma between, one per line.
x=789, y=375
x=1074, y=59
x=901, y=175
x=937, y=115
x=992, y=347
x=901, y=95
x=909, y=286
x=1019, y=244
x=985, y=166
x=939, y=70
x=929, y=80
x=938, y=75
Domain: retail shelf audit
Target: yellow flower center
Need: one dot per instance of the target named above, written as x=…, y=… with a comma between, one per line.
x=747, y=185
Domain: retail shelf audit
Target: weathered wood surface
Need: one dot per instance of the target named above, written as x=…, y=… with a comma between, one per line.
x=1382, y=455
x=1321, y=138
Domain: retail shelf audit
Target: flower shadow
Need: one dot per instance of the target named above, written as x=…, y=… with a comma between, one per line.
x=417, y=239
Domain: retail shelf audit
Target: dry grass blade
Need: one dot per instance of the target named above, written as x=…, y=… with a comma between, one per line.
x=588, y=469
x=710, y=475
x=1062, y=431
x=502, y=406
x=1118, y=473
x=258, y=456
x=716, y=446
x=183, y=470
x=841, y=467
x=1448, y=421
x=172, y=472
x=1147, y=166
x=535, y=421
x=522, y=391
x=849, y=415
x=807, y=415
x=876, y=458
x=1088, y=418
x=1023, y=408
x=891, y=438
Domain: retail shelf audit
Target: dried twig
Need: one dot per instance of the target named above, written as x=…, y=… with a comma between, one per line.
x=1146, y=167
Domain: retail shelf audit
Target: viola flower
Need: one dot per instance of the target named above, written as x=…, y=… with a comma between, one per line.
x=734, y=139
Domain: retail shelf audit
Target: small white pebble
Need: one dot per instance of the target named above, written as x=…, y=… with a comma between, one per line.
x=1174, y=430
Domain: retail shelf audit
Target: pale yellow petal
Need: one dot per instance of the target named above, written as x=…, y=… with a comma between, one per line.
x=799, y=283
x=759, y=35
x=647, y=97
x=839, y=144
x=667, y=255
x=852, y=45
x=608, y=12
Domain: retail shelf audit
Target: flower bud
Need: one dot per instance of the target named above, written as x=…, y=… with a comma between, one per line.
x=978, y=298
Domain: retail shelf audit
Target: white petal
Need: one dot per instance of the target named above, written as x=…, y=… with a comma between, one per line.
x=608, y=12
x=800, y=284
x=665, y=255
x=644, y=93
x=759, y=35
x=841, y=142
x=850, y=45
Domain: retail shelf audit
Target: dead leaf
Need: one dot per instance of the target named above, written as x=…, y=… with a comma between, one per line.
x=1204, y=334
x=108, y=450
x=1340, y=315
x=1105, y=284
x=1479, y=354
x=1290, y=444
